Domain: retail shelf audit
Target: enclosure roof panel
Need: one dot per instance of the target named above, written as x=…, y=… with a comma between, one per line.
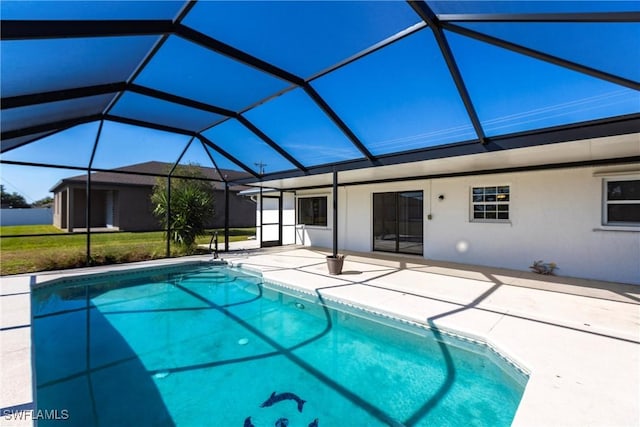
x=292, y=89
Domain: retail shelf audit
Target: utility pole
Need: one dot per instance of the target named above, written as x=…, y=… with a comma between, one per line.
x=260, y=167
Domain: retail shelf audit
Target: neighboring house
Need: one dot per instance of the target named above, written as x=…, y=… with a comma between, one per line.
x=121, y=201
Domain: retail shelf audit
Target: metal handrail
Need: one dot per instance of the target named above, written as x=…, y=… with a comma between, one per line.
x=214, y=239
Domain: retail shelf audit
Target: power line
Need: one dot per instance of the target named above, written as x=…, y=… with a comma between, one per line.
x=26, y=196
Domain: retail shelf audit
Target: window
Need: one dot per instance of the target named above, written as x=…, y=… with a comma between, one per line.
x=490, y=203
x=621, y=202
x=312, y=211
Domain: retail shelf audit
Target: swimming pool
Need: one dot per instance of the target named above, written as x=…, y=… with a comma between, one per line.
x=209, y=345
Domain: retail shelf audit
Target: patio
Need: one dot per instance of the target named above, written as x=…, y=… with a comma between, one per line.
x=581, y=344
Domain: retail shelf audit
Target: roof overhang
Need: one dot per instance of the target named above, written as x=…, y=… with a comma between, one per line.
x=616, y=149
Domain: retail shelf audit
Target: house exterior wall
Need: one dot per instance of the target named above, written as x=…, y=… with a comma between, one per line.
x=555, y=215
x=129, y=208
x=241, y=211
x=98, y=208
x=134, y=211
x=60, y=209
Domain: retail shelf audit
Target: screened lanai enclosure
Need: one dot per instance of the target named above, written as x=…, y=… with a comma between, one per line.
x=303, y=96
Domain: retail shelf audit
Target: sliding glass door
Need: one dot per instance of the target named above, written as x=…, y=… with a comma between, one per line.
x=385, y=222
x=397, y=222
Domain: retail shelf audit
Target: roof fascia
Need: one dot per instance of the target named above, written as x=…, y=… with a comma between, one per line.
x=620, y=125
x=564, y=165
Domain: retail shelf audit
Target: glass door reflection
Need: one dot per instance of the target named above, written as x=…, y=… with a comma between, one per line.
x=397, y=222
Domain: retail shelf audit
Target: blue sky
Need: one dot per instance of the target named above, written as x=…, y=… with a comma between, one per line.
x=398, y=98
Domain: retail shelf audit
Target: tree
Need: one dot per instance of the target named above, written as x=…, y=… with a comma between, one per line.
x=13, y=200
x=44, y=202
x=192, y=203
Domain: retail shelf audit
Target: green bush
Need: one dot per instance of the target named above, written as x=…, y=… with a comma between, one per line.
x=190, y=205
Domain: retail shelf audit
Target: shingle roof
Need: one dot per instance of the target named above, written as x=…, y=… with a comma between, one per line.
x=145, y=174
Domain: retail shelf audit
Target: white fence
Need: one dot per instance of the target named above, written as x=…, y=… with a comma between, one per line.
x=33, y=216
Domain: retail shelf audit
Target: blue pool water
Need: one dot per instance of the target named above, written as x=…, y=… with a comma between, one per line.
x=207, y=346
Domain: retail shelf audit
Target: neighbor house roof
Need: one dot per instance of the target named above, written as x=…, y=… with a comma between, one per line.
x=308, y=87
x=146, y=174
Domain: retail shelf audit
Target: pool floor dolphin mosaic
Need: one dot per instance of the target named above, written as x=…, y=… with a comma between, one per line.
x=276, y=398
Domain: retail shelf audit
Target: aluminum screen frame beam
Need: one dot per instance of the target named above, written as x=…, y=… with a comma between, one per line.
x=60, y=95
x=206, y=141
x=121, y=87
x=52, y=126
x=29, y=141
x=49, y=29
x=612, y=78
x=186, y=132
x=175, y=99
x=611, y=126
x=114, y=171
x=541, y=17
x=266, y=67
x=256, y=131
x=427, y=15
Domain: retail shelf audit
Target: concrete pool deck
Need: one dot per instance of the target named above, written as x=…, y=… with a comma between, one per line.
x=579, y=339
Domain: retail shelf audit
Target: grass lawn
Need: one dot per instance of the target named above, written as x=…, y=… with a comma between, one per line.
x=39, y=253
x=13, y=230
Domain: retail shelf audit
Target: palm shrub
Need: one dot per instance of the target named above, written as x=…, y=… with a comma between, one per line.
x=192, y=203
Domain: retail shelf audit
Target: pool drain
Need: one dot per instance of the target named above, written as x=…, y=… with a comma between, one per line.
x=243, y=341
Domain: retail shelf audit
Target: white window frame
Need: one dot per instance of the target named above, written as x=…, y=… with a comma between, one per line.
x=311, y=196
x=606, y=202
x=473, y=203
